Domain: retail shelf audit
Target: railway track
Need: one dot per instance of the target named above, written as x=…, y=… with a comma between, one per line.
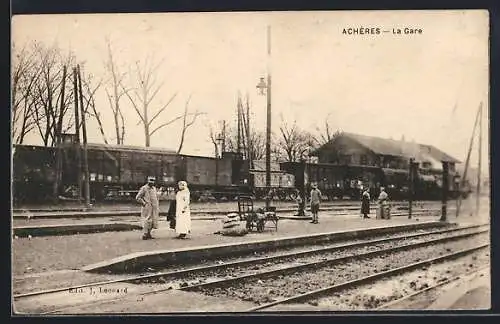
x=231, y=206
x=227, y=277
x=427, y=293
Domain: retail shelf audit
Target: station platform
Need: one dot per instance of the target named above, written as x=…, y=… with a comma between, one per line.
x=109, y=222
x=206, y=244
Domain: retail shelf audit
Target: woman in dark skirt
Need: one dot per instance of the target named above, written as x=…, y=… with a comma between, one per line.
x=171, y=212
x=365, y=203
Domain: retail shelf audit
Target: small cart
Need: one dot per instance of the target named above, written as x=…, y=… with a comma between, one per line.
x=256, y=218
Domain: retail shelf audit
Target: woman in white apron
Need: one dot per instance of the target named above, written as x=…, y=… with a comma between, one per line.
x=182, y=211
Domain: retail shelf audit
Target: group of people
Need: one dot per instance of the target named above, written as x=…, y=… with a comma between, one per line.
x=315, y=200
x=382, y=201
x=179, y=213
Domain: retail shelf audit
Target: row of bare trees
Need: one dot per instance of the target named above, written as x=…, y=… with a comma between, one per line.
x=36, y=88
x=142, y=91
x=292, y=143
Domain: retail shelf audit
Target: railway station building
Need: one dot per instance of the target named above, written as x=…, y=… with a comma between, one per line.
x=392, y=157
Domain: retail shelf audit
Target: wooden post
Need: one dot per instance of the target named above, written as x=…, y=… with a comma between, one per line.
x=77, y=132
x=444, y=199
x=59, y=139
x=411, y=179
x=84, y=134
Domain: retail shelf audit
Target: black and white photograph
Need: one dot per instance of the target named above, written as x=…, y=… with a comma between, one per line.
x=250, y=162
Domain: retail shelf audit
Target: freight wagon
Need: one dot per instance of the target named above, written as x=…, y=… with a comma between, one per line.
x=117, y=172
x=282, y=183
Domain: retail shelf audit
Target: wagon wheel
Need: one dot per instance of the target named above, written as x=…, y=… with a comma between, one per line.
x=249, y=225
x=260, y=226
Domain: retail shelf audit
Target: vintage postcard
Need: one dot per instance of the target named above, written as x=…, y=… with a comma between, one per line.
x=250, y=162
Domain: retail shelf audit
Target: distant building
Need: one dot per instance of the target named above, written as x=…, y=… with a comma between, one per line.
x=388, y=154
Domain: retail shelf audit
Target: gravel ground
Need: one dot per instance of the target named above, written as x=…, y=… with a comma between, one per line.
x=366, y=297
x=294, y=260
x=378, y=294
x=266, y=290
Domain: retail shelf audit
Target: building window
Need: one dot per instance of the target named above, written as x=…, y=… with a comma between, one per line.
x=426, y=165
x=364, y=160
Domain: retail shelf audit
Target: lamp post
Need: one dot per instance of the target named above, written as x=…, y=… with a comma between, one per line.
x=265, y=89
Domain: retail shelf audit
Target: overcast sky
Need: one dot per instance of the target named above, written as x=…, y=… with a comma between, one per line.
x=381, y=85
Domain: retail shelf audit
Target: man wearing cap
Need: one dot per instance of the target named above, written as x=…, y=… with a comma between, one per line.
x=148, y=197
x=315, y=201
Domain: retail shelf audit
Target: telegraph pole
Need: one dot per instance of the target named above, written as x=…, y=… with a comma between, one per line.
x=478, y=190
x=59, y=139
x=464, y=176
x=84, y=134
x=77, y=132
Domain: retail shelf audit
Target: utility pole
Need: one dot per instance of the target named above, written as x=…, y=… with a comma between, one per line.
x=77, y=132
x=464, y=176
x=249, y=140
x=268, y=128
x=239, y=126
x=478, y=190
x=84, y=134
x=59, y=139
x=223, y=137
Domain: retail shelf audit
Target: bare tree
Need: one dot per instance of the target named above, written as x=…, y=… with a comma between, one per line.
x=213, y=139
x=144, y=94
x=24, y=78
x=117, y=91
x=185, y=123
x=325, y=135
x=257, y=145
x=293, y=142
x=89, y=90
x=256, y=142
x=47, y=92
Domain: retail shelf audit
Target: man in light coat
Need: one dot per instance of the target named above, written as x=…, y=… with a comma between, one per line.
x=315, y=201
x=148, y=197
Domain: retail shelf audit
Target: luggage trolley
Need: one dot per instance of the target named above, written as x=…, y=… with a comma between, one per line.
x=256, y=218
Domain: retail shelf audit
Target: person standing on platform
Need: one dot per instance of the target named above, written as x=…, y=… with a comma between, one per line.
x=172, y=208
x=315, y=202
x=382, y=204
x=148, y=197
x=182, y=212
x=365, y=203
x=301, y=204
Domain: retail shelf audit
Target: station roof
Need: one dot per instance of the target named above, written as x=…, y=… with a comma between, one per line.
x=130, y=148
x=384, y=146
